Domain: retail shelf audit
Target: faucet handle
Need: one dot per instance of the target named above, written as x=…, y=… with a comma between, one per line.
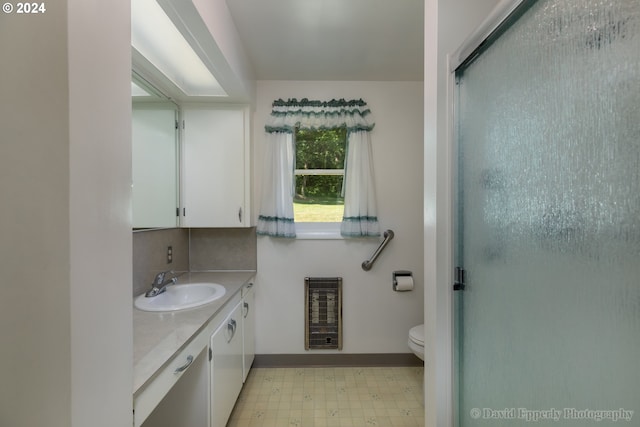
x=160, y=277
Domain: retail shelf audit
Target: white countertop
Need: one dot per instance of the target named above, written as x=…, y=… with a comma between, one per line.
x=157, y=336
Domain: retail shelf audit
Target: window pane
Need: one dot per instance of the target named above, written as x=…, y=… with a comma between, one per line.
x=320, y=149
x=318, y=199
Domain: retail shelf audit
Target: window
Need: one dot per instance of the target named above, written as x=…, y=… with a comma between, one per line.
x=334, y=190
x=319, y=175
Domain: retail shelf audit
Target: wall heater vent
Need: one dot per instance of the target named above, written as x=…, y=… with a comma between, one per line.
x=323, y=317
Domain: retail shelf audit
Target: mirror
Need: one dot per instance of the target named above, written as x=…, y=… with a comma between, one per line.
x=154, y=163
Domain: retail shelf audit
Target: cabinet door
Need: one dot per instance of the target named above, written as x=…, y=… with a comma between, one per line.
x=215, y=156
x=248, y=329
x=226, y=367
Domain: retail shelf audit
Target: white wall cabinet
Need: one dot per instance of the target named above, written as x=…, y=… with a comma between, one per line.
x=215, y=190
x=248, y=329
x=226, y=367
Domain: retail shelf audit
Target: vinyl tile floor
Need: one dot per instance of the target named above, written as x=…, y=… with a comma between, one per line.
x=341, y=397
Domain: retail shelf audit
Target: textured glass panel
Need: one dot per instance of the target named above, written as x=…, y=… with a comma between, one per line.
x=549, y=140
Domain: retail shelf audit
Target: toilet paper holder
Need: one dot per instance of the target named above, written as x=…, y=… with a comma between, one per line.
x=400, y=273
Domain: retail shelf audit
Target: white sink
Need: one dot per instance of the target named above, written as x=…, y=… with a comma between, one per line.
x=180, y=297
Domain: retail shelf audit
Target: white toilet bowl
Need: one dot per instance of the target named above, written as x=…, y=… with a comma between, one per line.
x=416, y=340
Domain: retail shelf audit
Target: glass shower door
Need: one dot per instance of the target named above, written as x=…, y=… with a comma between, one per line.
x=548, y=135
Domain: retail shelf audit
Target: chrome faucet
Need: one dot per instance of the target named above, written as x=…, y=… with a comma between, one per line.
x=159, y=285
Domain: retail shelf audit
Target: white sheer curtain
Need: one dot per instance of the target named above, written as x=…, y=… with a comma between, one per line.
x=276, y=212
x=360, y=212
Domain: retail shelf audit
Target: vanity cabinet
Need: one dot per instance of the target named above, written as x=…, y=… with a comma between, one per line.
x=226, y=367
x=248, y=329
x=215, y=189
x=199, y=384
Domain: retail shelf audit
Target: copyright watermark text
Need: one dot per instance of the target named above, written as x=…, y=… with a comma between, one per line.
x=27, y=8
x=552, y=414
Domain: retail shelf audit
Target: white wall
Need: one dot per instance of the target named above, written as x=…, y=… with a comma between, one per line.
x=447, y=25
x=99, y=56
x=34, y=165
x=376, y=319
x=65, y=258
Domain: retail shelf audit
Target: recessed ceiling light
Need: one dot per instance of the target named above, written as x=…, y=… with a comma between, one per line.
x=161, y=43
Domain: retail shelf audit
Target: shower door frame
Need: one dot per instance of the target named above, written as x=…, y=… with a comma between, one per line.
x=489, y=29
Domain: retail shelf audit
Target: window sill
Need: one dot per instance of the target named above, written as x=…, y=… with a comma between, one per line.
x=318, y=231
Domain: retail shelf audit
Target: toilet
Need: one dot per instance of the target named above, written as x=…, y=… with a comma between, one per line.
x=416, y=341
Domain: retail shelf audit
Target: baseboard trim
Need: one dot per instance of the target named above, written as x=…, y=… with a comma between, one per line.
x=336, y=360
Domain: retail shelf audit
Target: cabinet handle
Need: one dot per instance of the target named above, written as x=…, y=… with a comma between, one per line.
x=231, y=326
x=240, y=214
x=185, y=366
x=246, y=306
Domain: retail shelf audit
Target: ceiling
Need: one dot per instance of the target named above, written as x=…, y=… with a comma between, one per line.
x=346, y=40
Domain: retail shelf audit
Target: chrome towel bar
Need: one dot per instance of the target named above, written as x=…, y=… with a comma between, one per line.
x=366, y=265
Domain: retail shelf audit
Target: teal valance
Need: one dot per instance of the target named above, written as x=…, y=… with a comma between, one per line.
x=287, y=116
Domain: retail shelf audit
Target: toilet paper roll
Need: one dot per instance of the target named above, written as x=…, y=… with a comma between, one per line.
x=404, y=283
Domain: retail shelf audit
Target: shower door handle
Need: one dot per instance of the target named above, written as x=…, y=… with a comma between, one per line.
x=459, y=279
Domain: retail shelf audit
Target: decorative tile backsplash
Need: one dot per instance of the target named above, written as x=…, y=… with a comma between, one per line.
x=222, y=249
x=197, y=249
x=150, y=255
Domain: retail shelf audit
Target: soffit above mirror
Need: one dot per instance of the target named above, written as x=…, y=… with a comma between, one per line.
x=173, y=50
x=144, y=91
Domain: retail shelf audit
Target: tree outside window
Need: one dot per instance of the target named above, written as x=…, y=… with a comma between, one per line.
x=319, y=175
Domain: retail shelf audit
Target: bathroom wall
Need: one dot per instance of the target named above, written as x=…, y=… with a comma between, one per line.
x=65, y=310
x=376, y=319
x=195, y=249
